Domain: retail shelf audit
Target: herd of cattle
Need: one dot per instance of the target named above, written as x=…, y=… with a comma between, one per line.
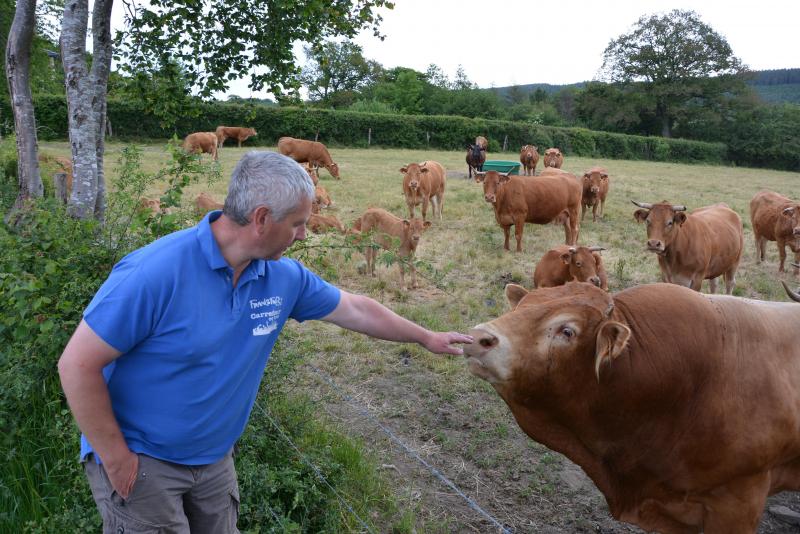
x=683, y=408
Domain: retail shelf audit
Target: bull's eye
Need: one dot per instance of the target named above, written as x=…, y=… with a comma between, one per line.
x=647, y=222
x=669, y=223
x=567, y=332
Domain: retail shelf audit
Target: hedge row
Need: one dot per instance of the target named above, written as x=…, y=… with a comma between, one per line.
x=355, y=129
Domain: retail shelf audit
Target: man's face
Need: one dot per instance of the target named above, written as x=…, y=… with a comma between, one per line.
x=280, y=235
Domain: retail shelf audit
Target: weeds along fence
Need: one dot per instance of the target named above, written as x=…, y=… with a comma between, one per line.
x=130, y=121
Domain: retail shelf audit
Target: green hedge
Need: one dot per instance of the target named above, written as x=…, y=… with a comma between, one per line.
x=349, y=128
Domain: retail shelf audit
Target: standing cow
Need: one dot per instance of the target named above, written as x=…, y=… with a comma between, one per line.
x=703, y=244
x=682, y=408
x=541, y=200
x=312, y=152
x=595, y=191
x=233, y=132
x=529, y=158
x=776, y=218
x=422, y=183
x=475, y=159
x=566, y=263
x=553, y=158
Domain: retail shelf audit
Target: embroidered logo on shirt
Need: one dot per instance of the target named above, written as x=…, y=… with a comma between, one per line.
x=270, y=316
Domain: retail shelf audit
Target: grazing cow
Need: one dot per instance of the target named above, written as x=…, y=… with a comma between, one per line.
x=566, y=263
x=682, y=408
x=529, y=157
x=312, y=152
x=475, y=159
x=321, y=197
x=313, y=172
x=388, y=229
x=520, y=199
x=553, y=158
x=776, y=218
x=595, y=190
x=233, y=132
x=322, y=223
x=424, y=182
x=482, y=142
x=703, y=244
x=200, y=142
x=205, y=203
x=150, y=206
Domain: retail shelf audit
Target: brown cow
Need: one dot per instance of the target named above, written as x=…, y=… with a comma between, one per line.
x=564, y=264
x=321, y=197
x=553, y=158
x=200, y=142
x=424, y=182
x=321, y=223
x=681, y=408
x=388, y=229
x=703, y=244
x=482, y=143
x=776, y=218
x=233, y=132
x=595, y=190
x=205, y=203
x=150, y=206
x=312, y=152
x=520, y=199
x=529, y=157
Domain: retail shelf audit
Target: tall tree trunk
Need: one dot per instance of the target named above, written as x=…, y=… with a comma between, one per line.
x=86, y=102
x=663, y=115
x=18, y=62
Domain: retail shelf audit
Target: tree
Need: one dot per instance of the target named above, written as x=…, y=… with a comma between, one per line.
x=671, y=55
x=334, y=67
x=17, y=68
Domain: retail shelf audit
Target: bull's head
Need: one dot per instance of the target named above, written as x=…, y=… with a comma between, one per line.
x=663, y=221
x=492, y=180
x=791, y=218
x=593, y=180
x=583, y=264
x=333, y=168
x=412, y=173
x=412, y=231
x=555, y=337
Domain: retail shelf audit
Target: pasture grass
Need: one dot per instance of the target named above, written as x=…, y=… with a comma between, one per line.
x=468, y=272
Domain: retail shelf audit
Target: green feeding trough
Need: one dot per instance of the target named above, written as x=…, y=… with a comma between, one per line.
x=510, y=167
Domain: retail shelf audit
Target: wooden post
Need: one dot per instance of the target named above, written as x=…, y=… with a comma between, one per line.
x=316, y=137
x=369, y=137
x=60, y=186
x=428, y=137
x=109, y=131
x=505, y=143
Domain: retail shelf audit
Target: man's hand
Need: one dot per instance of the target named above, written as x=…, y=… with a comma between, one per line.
x=443, y=342
x=122, y=473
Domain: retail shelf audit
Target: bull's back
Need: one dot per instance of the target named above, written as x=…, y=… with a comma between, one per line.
x=435, y=177
x=724, y=237
x=549, y=195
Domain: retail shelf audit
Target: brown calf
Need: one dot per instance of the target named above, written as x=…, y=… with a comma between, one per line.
x=388, y=229
x=233, y=132
x=553, y=158
x=529, y=157
x=201, y=142
x=520, y=199
x=564, y=264
x=424, y=182
x=776, y=218
x=312, y=152
x=321, y=223
x=321, y=197
x=595, y=190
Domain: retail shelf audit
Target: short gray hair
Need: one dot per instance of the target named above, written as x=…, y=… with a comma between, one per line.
x=266, y=179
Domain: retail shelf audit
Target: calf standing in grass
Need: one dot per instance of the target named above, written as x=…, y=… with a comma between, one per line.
x=312, y=152
x=200, y=142
x=564, y=264
x=540, y=200
x=388, y=228
x=595, y=190
x=529, y=157
x=776, y=218
x=424, y=182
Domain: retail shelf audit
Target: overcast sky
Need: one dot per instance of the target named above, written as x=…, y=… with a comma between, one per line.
x=516, y=42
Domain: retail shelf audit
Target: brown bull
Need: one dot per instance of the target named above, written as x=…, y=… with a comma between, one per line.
x=529, y=158
x=422, y=183
x=200, y=142
x=553, y=158
x=520, y=199
x=566, y=263
x=776, y=218
x=233, y=132
x=595, y=191
x=704, y=244
x=682, y=408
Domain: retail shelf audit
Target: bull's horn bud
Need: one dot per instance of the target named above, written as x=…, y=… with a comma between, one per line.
x=573, y=250
x=595, y=248
x=792, y=295
x=797, y=265
x=644, y=205
x=678, y=207
x=790, y=209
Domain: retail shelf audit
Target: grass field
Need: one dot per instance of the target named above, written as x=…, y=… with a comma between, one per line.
x=453, y=420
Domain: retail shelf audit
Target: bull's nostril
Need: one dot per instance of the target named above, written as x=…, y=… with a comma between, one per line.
x=488, y=341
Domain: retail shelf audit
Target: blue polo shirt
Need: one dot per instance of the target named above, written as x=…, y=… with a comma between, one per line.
x=194, y=347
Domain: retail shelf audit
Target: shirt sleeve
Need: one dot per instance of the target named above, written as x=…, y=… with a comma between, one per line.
x=316, y=299
x=122, y=311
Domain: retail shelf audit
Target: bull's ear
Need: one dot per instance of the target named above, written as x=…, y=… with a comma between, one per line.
x=406, y=223
x=504, y=178
x=611, y=340
x=423, y=169
x=426, y=224
x=566, y=258
x=514, y=294
x=679, y=218
x=604, y=177
x=479, y=176
x=641, y=215
x=404, y=169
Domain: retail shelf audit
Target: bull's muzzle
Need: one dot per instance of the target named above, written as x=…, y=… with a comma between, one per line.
x=489, y=198
x=655, y=245
x=796, y=231
x=483, y=343
x=595, y=189
x=595, y=280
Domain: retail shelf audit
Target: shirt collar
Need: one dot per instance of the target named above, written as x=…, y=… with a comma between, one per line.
x=211, y=251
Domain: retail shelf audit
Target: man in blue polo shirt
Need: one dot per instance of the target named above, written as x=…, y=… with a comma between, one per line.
x=163, y=370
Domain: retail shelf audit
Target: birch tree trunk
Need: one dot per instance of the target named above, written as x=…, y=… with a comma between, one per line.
x=18, y=62
x=86, y=102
